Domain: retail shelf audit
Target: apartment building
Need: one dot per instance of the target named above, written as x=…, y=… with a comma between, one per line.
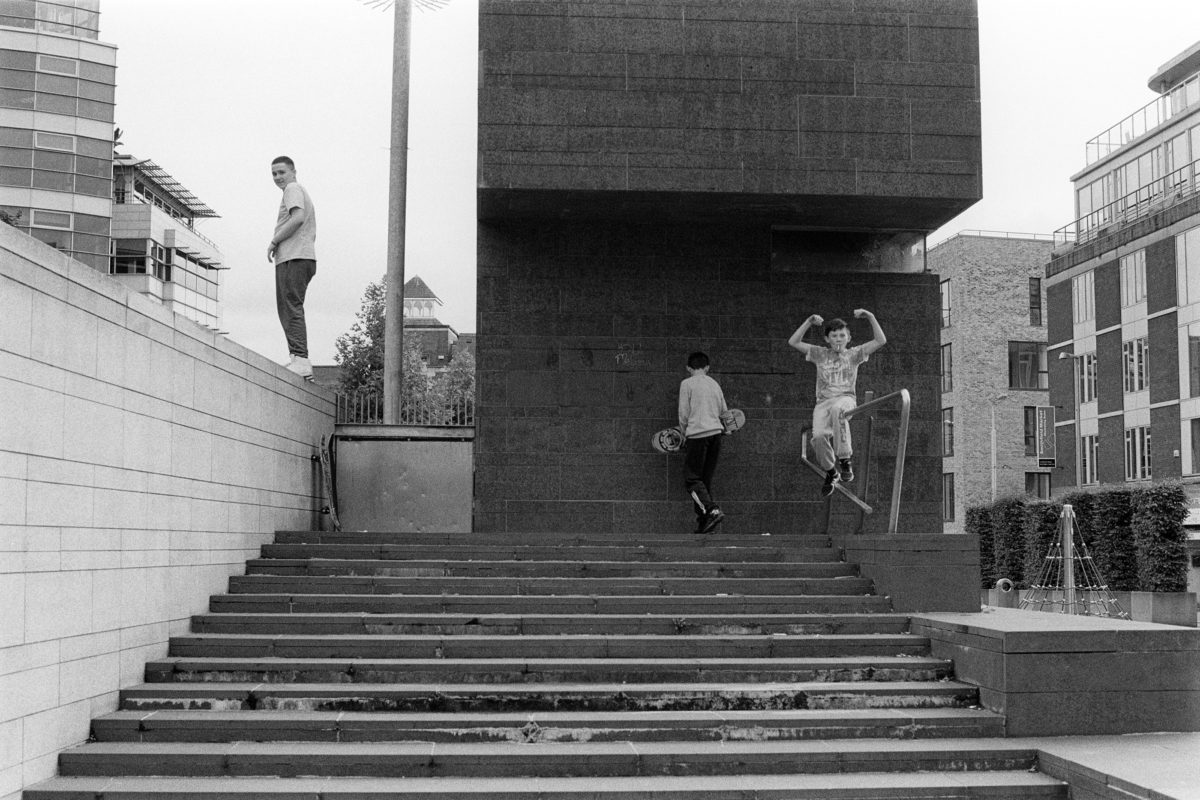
x=1123, y=296
x=997, y=432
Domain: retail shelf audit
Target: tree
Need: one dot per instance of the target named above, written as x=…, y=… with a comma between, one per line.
x=455, y=389
x=360, y=350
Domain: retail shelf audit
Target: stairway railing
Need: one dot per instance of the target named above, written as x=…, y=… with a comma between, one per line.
x=901, y=447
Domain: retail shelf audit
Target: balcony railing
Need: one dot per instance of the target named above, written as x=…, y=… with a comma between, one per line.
x=1144, y=120
x=366, y=408
x=1158, y=194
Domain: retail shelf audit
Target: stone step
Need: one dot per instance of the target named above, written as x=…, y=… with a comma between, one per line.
x=699, y=693
x=349, y=584
x=572, y=570
x=644, y=671
x=547, y=552
x=307, y=602
x=1009, y=785
x=549, y=726
x=543, y=624
x=540, y=760
x=572, y=646
x=563, y=539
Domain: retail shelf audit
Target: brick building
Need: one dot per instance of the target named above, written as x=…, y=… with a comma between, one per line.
x=997, y=424
x=1123, y=296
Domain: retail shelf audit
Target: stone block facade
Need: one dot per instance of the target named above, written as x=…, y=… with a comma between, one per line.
x=143, y=459
x=584, y=336
x=989, y=306
x=661, y=177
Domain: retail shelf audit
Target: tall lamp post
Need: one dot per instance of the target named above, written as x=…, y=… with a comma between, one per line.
x=393, y=321
x=995, y=399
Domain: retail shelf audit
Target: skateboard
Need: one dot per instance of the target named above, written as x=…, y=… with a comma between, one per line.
x=324, y=456
x=670, y=440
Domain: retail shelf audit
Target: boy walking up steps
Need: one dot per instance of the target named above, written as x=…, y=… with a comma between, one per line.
x=837, y=373
x=701, y=404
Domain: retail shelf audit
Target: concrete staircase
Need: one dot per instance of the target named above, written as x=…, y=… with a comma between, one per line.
x=363, y=665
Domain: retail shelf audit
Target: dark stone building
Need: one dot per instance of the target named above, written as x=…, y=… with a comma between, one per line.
x=662, y=177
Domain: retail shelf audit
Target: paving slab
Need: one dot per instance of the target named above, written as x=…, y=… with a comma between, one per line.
x=1148, y=766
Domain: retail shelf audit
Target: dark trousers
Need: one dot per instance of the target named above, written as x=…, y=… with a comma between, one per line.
x=699, y=464
x=291, y=283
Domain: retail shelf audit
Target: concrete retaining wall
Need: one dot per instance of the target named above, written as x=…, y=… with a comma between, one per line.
x=143, y=459
x=1062, y=675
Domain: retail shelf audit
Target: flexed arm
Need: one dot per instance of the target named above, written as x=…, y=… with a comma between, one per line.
x=797, y=339
x=878, y=339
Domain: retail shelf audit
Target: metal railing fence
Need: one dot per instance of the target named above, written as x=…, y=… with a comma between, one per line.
x=366, y=408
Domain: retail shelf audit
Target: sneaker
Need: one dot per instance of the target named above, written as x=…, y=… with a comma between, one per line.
x=712, y=519
x=847, y=470
x=831, y=480
x=300, y=366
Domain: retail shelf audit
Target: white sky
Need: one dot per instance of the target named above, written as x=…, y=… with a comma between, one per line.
x=212, y=90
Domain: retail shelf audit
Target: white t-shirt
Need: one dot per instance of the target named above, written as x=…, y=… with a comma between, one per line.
x=837, y=373
x=303, y=242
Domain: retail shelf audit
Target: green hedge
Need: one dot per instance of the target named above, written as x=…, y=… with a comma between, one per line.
x=979, y=522
x=1135, y=536
x=1158, y=514
x=1008, y=539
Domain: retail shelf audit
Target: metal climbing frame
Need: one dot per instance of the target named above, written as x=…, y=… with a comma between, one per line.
x=901, y=446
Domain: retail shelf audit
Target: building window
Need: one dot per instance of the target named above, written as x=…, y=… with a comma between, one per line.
x=1086, y=379
x=947, y=497
x=1031, y=431
x=1136, y=355
x=61, y=66
x=1037, y=484
x=944, y=287
x=1083, y=297
x=947, y=368
x=1195, y=427
x=1035, y=301
x=1187, y=266
x=1137, y=454
x=54, y=141
x=1027, y=366
x=1087, y=460
x=947, y=431
x=1133, y=278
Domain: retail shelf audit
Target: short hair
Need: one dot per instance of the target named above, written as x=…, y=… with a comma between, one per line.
x=697, y=360
x=835, y=324
x=284, y=160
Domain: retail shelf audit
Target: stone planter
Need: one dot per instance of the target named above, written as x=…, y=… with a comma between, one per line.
x=1167, y=608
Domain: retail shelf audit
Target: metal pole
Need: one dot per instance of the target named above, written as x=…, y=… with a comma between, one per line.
x=1068, y=556
x=393, y=327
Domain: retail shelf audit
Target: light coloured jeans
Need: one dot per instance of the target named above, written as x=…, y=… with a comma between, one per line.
x=831, y=433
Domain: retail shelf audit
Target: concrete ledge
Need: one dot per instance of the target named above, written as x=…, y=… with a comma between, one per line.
x=920, y=573
x=1056, y=675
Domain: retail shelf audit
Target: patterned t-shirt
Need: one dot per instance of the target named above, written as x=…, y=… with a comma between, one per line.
x=837, y=373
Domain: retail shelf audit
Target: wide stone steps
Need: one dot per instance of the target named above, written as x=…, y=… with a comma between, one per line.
x=618, y=585
x=351, y=624
x=547, y=569
x=549, y=552
x=643, y=669
x=562, y=540
x=575, y=646
x=547, y=726
x=278, y=602
x=957, y=785
x=550, y=666
x=696, y=693
x=553, y=760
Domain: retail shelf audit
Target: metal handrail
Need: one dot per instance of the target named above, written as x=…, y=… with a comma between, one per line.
x=901, y=449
